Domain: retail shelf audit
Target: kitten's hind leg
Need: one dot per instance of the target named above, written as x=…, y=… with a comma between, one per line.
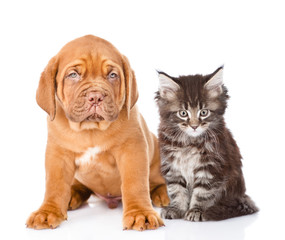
x=231, y=208
x=179, y=201
x=247, y=206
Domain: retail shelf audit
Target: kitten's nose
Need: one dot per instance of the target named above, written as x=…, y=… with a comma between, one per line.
x=195, y=127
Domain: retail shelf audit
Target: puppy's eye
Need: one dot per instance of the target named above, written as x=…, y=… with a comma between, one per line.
x=73, y=75
x=204, y=113
x=183, y=113
x=113, y=75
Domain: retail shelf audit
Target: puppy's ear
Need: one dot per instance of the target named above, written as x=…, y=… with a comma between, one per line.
x=131, y=91
x=46, y=90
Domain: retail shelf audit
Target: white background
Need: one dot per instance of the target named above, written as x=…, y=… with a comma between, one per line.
x=178, y=37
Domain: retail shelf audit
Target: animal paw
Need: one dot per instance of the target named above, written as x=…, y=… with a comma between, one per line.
x=194, y=215
x=46, y=217
x=141, y=220
x=75, y=201
x=79, y=195
x=170, y=213
x=159, y=196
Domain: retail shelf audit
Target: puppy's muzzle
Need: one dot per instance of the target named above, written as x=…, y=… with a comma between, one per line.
x=95, y=97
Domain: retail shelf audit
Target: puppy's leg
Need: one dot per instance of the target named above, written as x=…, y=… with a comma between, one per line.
x=158, y=190
x=79, y=195
x=133, y=163
x=159, y=196
x=60, y=170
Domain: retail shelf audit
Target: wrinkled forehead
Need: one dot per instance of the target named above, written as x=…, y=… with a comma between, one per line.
x=89, y=51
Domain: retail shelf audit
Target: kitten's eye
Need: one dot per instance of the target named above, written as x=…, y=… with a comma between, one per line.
x=204, y=112
x=183, y=113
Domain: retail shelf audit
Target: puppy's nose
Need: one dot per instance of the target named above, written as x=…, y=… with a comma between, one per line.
x=95, y=97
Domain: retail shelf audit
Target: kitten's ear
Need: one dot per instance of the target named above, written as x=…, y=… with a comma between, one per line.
x=167, y=87
x=215, y=83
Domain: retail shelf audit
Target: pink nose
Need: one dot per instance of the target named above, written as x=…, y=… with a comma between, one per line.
x=95, y=97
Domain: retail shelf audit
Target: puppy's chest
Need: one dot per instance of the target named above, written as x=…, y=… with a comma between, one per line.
x=90, y=155
x=95, y=158
x=185, y=162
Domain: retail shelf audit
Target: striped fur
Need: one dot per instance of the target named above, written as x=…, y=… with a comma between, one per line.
x=200, y=160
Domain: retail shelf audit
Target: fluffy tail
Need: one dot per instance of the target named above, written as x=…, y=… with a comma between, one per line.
x=231, y=208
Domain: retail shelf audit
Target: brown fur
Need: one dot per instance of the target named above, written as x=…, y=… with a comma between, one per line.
x=128, y=164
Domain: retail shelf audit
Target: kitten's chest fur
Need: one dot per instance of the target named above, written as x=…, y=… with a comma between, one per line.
x=185, y=161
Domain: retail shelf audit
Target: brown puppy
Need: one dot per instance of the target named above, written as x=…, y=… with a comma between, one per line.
x=97, y=140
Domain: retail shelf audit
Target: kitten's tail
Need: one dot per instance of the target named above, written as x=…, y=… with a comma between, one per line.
x=231, y=208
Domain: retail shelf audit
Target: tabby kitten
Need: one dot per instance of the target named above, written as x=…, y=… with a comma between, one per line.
x=201, y=161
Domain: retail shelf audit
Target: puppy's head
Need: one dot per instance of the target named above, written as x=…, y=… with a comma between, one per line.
x=90, y=80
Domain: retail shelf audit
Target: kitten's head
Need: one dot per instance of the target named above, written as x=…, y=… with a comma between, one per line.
x=191, y=105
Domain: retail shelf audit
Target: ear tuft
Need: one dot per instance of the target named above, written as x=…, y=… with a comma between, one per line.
x=167, y=86
x=215, y=83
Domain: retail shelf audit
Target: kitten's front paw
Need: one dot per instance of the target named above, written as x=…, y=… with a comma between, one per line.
x=194, y=215
x=170, y=213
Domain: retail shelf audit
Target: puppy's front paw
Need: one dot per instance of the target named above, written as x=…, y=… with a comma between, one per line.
x=194, y=215
x=159, y=196
x=46, y=217
x=141, y=220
